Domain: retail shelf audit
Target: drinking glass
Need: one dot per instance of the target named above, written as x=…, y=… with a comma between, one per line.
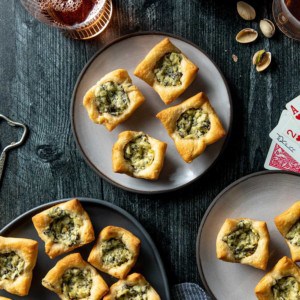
x=80, y=19
x=285, y=19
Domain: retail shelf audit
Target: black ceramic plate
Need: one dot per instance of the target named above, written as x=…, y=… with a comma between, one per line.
x=102, y=214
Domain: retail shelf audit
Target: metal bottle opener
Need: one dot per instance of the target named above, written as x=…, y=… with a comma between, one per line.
x=13, y=144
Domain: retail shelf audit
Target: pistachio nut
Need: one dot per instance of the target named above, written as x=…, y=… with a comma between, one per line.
x=246, y=11
x=267, y=28
x=247, y=35
x=261, y=59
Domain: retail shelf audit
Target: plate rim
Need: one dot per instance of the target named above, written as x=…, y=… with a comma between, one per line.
x=14, y=223
x=72, y=108
x=211, y=206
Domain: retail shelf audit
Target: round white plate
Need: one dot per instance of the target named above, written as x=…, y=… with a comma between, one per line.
x=260, y=196
x=95, y=142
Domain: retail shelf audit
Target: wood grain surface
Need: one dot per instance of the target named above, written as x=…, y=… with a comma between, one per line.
x=38, y=70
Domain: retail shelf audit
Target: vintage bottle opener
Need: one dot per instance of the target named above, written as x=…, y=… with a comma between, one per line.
x=13, y=144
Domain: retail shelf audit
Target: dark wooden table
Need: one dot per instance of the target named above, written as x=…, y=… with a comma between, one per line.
x=38, y=70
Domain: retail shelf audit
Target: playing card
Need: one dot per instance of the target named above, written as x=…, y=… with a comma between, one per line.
x=294, y=108
x=287, y=135
x=279, y=159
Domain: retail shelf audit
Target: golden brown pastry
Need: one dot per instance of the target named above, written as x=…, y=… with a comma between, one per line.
x=244, y=241
x=288, y=224
x=138, y=155
x=64, y=227
x=135, y=285
x=115, y=252
x=192, y=125
x=3, y=298
x=167, y=70
x=281, y=283
x=17, y=259
x=113, y=99
x=73, y=278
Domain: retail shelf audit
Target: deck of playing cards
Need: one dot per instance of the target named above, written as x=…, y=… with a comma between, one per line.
x=284, y=153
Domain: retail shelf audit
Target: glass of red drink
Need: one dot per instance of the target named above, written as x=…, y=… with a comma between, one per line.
x=287, y=17
x=81, y=19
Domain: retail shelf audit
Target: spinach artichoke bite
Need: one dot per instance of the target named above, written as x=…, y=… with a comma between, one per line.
x=167, y=70
x=244, y=241
x=64, y=227
x=192, y=125
x=138, y=155
x=113, y=99
x=115, y=252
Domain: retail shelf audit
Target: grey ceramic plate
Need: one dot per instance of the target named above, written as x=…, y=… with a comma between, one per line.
x=95, y=142
x=260, y=196
x=102, y=214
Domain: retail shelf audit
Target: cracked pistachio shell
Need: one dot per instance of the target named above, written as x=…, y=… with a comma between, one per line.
x=246, y=11
x=262, y=60
x=247, y=35
x=267, y=28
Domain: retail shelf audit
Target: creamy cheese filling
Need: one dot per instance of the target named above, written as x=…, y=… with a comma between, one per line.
x=168, y=71
x=243, y=241
x=64, y=227
x=114, y=253
x=193, y=124
x=135, y=292
x=77, y=283
x=111, y=98
x=139, y=153
x=294, y=234
x=11, y=265
x=286, y=288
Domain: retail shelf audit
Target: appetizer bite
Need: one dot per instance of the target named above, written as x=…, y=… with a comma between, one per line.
x=167, y=70
x=17, y=261
x=115, y=252
x=134, y=286
x=192, y=125
x=73, y=278
x=288, y=224
x=64, y=227
x=282, y=282
x=113, y=99
x=244, y=241
x=138, y=155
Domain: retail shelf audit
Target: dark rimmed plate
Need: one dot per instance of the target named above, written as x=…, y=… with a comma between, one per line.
x=95, y=142
x=262, y=196
x=102, y=214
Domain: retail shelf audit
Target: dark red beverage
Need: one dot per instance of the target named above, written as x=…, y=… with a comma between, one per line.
x=294, y=7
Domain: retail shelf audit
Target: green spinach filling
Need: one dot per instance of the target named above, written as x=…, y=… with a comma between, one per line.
x=111, y=98
x=64, y=227
x=193, y=124
x=139, y=153
x=294, y=234
x=114, y=253
x=11, y=265
x=135, y=292
x=77, y=283
x=286, y=288
x=168, y=71
x=243, y=241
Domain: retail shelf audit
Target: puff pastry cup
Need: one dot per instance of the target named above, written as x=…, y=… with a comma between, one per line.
x=138, y=155
x=113, y=99
x=64, y=227
x=282, y=282
x=244, y=241
x=134, y=286
x=115, y=252
x=73, y=278
x=167, y=70
x=288, y=224
x=192, y=125
x=17, y=260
